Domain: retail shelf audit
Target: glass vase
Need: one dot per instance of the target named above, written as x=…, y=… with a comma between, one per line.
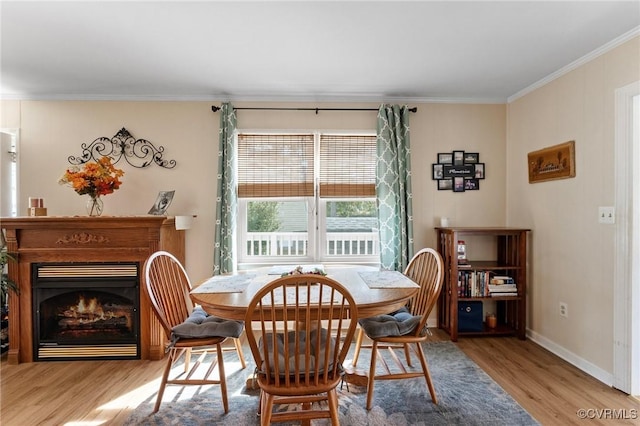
x=94, y=206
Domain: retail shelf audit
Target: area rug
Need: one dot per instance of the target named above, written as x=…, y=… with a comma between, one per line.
x=466, y=396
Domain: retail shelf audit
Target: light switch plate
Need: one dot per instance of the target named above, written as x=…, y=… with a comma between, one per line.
x=606, y=215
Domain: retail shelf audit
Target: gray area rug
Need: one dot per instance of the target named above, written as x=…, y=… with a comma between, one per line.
x=466, y=396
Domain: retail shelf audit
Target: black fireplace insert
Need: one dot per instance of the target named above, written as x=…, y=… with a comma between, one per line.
x=86, y=311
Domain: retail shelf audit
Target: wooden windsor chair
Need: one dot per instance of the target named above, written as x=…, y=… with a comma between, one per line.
x=189, y=329
x=303, y=336
x=385, y=332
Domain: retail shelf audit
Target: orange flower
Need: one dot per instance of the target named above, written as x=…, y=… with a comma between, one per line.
x=94, y=178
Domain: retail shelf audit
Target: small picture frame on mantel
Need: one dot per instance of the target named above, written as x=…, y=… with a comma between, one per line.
x=162, y=203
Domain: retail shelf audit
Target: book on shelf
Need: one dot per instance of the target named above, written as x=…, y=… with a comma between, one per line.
x=473, y=283
x=502, y=288
x=501, y=280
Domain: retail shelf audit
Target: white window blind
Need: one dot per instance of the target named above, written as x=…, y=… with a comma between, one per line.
x=347, y=165
x=275, y=165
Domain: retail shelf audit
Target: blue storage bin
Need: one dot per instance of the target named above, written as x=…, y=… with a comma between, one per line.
x=470, y=316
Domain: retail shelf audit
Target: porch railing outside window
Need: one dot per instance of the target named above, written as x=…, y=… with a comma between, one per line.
x=297, y=243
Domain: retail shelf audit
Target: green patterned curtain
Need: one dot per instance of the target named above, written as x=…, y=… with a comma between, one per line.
x=393, y=187
x=226, y=201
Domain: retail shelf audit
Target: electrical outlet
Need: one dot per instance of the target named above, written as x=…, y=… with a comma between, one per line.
x=606, y=215
x=564, y=310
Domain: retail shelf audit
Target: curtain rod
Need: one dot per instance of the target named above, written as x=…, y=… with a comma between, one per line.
x=215, y=108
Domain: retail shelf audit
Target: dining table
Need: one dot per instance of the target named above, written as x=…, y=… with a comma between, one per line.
x=374, y=291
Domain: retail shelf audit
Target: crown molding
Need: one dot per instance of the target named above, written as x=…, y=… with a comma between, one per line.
x=246, y=98
x=577, y=63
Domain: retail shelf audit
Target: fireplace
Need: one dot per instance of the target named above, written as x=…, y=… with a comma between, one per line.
x=82, y=241
x=86, y=311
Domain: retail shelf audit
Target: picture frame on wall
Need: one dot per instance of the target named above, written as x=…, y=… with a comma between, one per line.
x=458, y=184
x=458, y=171
x=471, y=184
x=445, y=158
x=471, y=157
x=438, y=171
x=458, y=158
x=551, y=163
x=445, y=185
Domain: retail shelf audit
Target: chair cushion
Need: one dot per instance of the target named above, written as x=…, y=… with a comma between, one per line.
x=200, y=324
x=291, y=356
x=397, y=323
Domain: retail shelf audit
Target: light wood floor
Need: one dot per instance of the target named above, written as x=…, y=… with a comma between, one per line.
x=92, y=393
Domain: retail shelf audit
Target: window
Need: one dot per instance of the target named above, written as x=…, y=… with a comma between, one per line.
x=307, y=198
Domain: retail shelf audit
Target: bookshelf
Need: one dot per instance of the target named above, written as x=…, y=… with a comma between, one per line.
x=490, y=252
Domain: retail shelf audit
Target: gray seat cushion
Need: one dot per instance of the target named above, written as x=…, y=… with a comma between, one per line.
x=200, y=324
x=291, y=356
x=396, y=323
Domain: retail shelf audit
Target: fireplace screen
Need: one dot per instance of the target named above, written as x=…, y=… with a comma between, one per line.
x=86, y=311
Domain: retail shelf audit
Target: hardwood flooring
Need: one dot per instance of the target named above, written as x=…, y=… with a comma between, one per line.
x=92, y=393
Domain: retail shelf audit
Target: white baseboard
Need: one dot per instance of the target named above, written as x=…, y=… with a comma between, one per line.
x=584, y=365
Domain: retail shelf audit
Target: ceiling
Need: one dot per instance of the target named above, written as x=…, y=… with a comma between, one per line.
x=421, y=51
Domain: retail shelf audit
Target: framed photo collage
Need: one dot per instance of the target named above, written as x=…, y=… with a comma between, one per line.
x=458, y=171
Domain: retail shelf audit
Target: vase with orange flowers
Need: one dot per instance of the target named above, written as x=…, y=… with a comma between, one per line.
x=94, y=178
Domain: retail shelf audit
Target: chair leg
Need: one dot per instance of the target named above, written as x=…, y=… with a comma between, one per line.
x=427, y=374
x=240, y=353
x=223, y=378
x=333, y=406
x=187, y=360
x=306, y=406
x=407, y=354
x=267, y=409
x=358, y=345
x=163, y=382
x=260, y=401
x=372, y=374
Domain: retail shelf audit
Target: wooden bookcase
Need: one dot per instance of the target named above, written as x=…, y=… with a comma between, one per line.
x=493, y=251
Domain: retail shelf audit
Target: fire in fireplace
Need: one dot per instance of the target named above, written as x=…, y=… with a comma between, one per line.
x=86, y=311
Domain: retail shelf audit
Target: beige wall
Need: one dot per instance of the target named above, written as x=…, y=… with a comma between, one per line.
x=572, y=254
x=52, y=131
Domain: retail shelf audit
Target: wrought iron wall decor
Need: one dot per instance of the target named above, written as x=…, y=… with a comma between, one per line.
x=458, y=171
x=140, y=153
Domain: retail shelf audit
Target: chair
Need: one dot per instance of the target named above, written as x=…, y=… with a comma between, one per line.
x=189, y=329
x=402, y=328
x=298, y=361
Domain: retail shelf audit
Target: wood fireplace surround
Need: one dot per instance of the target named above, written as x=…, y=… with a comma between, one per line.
x=84, y=239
